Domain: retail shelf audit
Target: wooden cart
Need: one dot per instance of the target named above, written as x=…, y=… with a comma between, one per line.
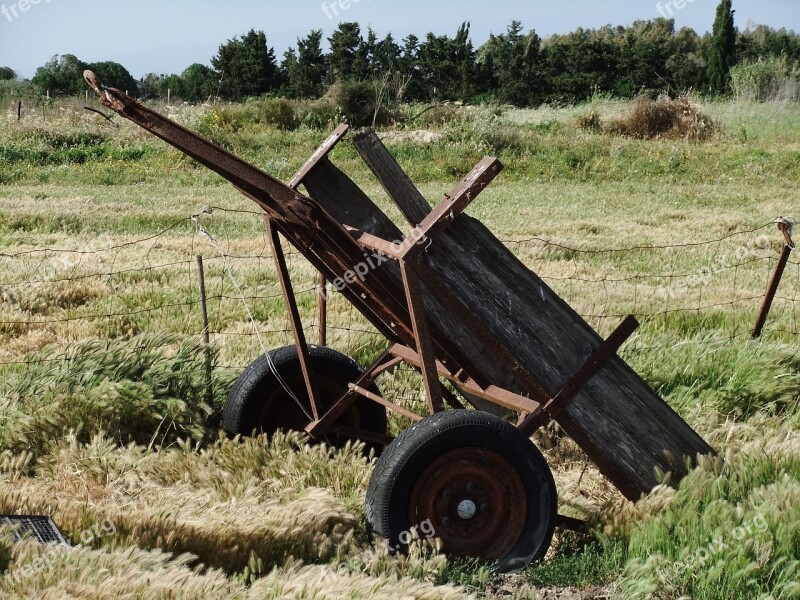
x=453, y=302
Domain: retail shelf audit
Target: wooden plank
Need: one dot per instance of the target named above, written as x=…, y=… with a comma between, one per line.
x=399, y=185
x=590, y=368
x=321, y=153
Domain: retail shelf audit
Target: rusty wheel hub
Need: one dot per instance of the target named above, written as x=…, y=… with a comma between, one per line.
x=475, y=500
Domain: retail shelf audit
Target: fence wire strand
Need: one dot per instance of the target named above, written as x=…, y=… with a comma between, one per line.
x=51, y=296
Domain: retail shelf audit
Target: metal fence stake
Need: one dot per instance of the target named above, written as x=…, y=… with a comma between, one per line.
x=775, y=281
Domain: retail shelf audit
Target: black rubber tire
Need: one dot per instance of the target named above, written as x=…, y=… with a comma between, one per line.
x=257, y=403
x=404, y=460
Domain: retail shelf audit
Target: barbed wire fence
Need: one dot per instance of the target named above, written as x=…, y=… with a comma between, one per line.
x=112, y=289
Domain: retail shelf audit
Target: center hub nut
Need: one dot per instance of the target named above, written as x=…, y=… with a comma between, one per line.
x=467, y=510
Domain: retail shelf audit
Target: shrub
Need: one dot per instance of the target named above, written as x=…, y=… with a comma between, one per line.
x=13, y=89
x=590, y=121
x=322, y=114
x=358, y=102
x=278, y=112
x=766, y=80
x=664, y=118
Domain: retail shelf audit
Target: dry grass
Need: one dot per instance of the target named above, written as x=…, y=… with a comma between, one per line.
x=663, y=118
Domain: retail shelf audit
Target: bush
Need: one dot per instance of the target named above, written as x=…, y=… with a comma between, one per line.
x=664, y=118
x=358, y=103
x=278, y=112
x=590, y=121
x=766, y=80
x=17, y=90
x=322, y=114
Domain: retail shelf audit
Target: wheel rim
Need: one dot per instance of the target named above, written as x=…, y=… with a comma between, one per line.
x=476, y=501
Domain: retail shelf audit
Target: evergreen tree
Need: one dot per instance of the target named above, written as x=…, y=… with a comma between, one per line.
x=448, y=67
x=246, y=66
x=513, y=64
x=387, y=55
x=349, y=54
x=721, y=54
x=305, y=69
x=7, y=73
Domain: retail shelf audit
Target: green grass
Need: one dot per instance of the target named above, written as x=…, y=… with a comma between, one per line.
x=108, y=343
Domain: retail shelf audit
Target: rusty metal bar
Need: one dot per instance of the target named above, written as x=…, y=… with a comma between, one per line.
x=320, y=154
x=422, y=335
x=774, y=283
x=387, y=366
x=322, y=309
x=455, y=203
x=595, y=362
x=374, y=243
x=319, y=427
x=294, y=318
x=384, y=402
x=493, y=393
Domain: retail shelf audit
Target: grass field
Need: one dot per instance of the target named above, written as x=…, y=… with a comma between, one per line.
x=107, y=425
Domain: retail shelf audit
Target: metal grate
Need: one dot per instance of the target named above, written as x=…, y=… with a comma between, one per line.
x=40, y=529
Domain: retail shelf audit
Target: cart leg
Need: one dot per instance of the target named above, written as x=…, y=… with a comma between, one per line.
x=422, y=334
x=294, y=314
x=322, y=309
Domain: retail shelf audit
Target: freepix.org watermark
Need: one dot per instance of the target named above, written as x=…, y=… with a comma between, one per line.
x=332, y=9
x=18, y=8
x=701, y=556
x=374, y=261
x=668, y=9
x=53, y=554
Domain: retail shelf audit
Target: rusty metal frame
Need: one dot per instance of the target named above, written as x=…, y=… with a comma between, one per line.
x=408, y=254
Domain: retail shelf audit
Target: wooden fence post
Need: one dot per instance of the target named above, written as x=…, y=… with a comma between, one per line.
x=206, y=331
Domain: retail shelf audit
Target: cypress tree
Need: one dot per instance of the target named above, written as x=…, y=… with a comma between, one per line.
x=721, y=53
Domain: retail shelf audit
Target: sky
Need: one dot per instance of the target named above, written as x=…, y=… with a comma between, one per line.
x=166, y=36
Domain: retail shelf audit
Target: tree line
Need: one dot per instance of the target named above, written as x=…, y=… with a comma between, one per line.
x=516, y=67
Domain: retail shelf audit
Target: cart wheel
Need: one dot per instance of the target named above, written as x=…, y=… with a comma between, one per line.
x=470, y=479
x=258, y=402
